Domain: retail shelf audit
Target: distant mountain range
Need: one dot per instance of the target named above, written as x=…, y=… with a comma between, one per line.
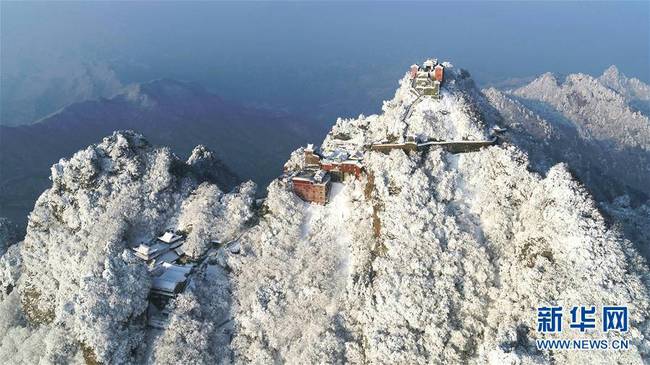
x=598, y=126
x=585, y=123
x=177, y=114
x=31, y=93
x=427, y=256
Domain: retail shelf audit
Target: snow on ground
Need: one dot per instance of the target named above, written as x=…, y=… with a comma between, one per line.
x=291, y=279
x=339, y=212
x=428, y=258
x=333, y=213
x=305, y=226
x=468, y=245
x=329, y=220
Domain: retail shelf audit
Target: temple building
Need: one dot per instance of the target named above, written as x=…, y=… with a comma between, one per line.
x=312, y=185
x=426, y=80
x=338, y=163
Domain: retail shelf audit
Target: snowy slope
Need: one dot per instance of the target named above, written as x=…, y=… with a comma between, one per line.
x=176, y=114
x=593, y=125
x=598, y=112
x=635, y=91
x=429, y=257
x=80, y=290
x=468, y=246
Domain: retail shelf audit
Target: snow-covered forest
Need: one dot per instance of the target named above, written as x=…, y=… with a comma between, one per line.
x=599, y=127
x=428, y=257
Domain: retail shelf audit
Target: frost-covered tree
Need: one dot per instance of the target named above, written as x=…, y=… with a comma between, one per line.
x=633, y=220
x=210, y=215
x=109, y=317
x=429, y=257
x=599, y=127
x=199, y=327
x=187, y=340
x=10, y=270
x=74, y=271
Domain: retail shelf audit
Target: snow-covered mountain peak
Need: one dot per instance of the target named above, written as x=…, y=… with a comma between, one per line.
x=611, y=73
x=597, y=108
x=114, y=154
x=546, y=81
x=81, y=280
x=611, y=86
x=438, y=246
x=599, y=128
x=452, y=116
x=208, y=167
x=632, y=89
x=428, y=235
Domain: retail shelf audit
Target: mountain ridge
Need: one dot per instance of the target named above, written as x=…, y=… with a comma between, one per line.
x=600, y=138
x=174, y=113
x=427, y=256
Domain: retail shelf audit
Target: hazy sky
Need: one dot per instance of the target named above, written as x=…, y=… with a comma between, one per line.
x=311, y=55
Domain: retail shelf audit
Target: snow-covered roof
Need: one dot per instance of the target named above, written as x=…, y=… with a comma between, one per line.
x=431, y=61
x=170, y=237
x=498, y=129
x=147, y=252
x=163, y=285
x=169, y=257
x=357, y=155
x=302, y=178
x=172, y=277
x=337, y=155
x=235, y=248
x=143, y=248
x=184, y=269
x=313, y=176
x=320, y=175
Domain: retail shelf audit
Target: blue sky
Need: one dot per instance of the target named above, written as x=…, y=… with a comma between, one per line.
x=301, y=55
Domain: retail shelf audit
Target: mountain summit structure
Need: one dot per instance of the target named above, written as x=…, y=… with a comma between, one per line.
x=441, y=250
